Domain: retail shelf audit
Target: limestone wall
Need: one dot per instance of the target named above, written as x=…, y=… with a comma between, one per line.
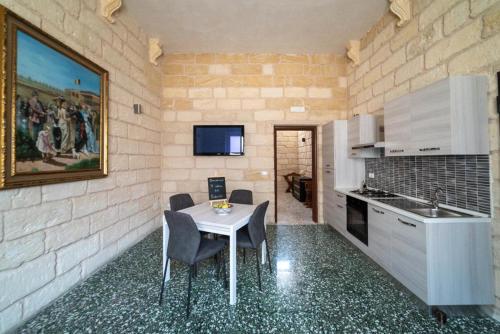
x=52, y=237
x=444, y=37
x=305, y=152
x=287, y=156
x=255, y=90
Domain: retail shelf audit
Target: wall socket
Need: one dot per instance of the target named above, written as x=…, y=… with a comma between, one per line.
x=371, y=175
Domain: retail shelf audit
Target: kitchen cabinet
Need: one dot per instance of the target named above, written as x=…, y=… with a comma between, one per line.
x=397, y=124
x=362, y=130
x=339, y=170
x=448, y=117
x=408, y=254
x=441, y=263
x=379, y=235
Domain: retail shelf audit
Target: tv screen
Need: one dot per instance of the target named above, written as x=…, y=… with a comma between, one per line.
x=218, y=139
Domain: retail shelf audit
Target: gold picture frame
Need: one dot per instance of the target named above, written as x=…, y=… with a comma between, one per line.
x=53, y=109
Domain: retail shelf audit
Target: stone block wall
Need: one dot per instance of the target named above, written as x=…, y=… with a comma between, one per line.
x=305, y=152
x=256, y=90
x=287, y=156
x=54, y=236
x=444, y=37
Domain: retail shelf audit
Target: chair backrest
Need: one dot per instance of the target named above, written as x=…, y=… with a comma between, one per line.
x=184, y=237
x=180, y=201
x=256, y=228
x=241, y=196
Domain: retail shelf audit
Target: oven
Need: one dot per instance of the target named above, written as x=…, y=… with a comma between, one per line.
x=357, y=218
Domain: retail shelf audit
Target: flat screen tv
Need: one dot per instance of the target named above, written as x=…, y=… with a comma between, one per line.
x=218, y=139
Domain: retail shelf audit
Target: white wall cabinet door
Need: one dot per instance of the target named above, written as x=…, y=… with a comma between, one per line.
x=397, y=123
x=430, y=120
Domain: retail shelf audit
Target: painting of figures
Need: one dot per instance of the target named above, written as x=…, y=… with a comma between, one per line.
x=58, y=110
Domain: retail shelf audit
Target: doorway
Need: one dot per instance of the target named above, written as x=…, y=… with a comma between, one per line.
x=295, y=174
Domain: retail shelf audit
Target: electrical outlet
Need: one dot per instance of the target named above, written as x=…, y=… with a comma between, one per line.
x=371, y=175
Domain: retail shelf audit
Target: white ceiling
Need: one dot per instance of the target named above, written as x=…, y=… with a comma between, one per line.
x=281, y=26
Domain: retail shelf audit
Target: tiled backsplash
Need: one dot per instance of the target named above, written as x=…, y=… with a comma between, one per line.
x=465, y=179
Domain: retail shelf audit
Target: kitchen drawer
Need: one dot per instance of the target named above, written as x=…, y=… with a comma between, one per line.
x=339, y=198
x=340, y=217
x=408, y=254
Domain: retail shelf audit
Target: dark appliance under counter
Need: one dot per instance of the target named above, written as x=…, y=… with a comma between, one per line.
x=357, y=218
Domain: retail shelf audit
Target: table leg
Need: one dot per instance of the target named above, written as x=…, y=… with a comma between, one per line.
x=166, y=234
x=232, y=268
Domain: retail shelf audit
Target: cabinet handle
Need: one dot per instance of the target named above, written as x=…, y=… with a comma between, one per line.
x=378, y=211
x=327, y=165
x=327, y=172
x=340, y=206
x=340, y=196
x=397, y=151
x=425, y=149
x=406, y=223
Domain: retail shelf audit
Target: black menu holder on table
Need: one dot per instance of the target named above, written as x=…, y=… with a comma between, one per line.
x=216, y=189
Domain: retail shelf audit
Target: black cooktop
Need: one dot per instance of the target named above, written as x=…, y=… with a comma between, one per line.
x=371, y=193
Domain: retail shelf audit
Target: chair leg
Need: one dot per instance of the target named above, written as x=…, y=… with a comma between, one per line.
x=244, y=256
x=163, y=282
x=224, y=269
x=217, y=263
x=189, y=292
x=258, y=266
x=268, y=256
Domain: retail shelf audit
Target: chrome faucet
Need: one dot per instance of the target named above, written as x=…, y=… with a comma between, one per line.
x=435, y=197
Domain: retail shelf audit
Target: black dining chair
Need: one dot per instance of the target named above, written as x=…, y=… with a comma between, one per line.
x=180, y=202
x=241, y=196
x=253, y=236
x=187, y=246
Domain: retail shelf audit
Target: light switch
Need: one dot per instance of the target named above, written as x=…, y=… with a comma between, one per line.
x=371, y=175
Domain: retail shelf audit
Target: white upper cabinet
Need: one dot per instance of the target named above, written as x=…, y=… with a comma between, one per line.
x=448, y=117
x=362, y=130
x=397, y=124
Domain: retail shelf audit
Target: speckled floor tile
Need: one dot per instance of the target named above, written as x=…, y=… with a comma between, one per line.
x=320, y=284
x=292, y=212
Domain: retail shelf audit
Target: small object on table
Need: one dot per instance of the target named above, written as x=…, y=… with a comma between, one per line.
x=288, y=178
x=222, y=208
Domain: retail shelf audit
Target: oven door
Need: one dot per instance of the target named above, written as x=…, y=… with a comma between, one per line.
x=357, y=218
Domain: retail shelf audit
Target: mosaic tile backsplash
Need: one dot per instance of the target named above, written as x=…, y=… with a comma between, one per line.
x=465, y=179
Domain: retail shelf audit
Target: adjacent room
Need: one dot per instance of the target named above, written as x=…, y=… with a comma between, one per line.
x=222, y=166
x=294, y=166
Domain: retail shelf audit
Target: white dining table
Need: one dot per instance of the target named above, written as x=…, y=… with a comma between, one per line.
x=208, y=221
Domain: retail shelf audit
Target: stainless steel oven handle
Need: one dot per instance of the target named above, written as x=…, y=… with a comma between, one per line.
x=406, y=223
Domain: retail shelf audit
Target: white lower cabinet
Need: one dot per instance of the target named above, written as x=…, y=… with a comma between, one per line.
x=408, y=254
x=379, y=236
x=335, y=210
x=339, y=213
x=441, y=263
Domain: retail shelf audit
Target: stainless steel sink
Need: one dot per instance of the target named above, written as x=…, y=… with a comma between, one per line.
x=430, y=212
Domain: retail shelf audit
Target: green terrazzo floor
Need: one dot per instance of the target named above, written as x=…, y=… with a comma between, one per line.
x=320, y=284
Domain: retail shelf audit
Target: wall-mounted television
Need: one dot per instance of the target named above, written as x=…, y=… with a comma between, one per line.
x=218, y=139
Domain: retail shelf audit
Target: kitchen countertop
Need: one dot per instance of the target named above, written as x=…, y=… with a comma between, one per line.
x=477, y=217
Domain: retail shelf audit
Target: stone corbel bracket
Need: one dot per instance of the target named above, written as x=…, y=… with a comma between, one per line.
x=402, y=9
x=108, y=7
x=353, y=51
x=155, y=50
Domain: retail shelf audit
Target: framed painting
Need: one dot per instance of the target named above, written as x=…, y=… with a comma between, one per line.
x=53, y=110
